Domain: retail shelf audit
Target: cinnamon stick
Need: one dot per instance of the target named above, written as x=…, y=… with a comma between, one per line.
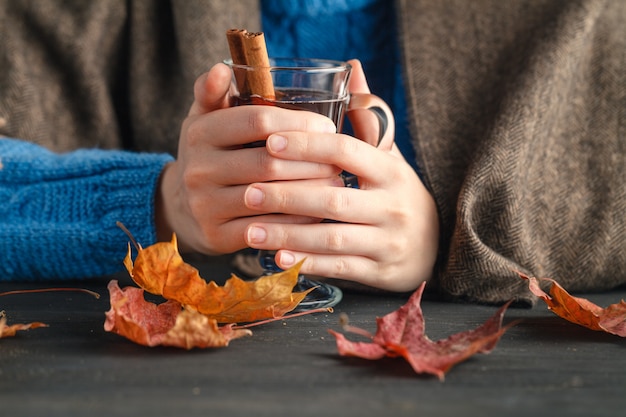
x=250, y=48
x=237, y=54
x=235, y=44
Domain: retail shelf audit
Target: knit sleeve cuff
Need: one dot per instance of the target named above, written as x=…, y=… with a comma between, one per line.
x=59, y=212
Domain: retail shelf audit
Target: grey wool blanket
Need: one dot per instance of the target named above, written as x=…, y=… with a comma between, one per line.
x=517, y=111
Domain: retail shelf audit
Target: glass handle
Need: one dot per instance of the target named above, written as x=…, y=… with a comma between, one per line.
x=384, y=116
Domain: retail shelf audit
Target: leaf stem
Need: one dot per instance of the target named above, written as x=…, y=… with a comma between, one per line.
x=290, y=316
x=129, y=234
x=38, y=290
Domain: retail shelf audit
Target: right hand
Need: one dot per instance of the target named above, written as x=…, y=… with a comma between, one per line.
x=201, y=195
x=386, y=233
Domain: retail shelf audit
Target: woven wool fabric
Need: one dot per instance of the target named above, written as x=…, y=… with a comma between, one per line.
x=516, y=110
x=519, y=110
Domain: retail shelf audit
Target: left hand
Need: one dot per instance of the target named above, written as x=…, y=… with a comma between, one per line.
x=387, y=235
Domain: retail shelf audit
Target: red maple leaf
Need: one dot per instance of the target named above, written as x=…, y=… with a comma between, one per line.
x=401, y=333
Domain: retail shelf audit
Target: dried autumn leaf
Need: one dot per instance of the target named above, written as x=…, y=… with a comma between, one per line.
x=401, y=333
x=611, y=319
x=159, y=269
x=7, y=331
x=165, y=324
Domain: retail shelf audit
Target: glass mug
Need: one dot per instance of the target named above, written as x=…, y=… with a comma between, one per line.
x=320, y=86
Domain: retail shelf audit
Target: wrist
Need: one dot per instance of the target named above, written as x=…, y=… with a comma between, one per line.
x=162, y=211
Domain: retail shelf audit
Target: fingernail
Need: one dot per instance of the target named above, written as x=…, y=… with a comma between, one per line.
x=256, y=234
x=287, y=259
x=330, y=127
x=254, y=196
x=276, y=143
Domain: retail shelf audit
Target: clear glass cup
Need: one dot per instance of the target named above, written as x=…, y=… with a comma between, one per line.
x=316, y=85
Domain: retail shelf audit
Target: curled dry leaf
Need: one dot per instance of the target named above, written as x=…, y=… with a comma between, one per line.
x=165, y=324
x=611, y=319
x=7, y=331
x=401, y=333
x=159, y=269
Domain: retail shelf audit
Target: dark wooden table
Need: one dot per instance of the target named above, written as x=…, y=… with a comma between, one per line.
x=542, y=366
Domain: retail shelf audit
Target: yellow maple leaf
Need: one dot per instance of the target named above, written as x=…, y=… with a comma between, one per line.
x=159, y=269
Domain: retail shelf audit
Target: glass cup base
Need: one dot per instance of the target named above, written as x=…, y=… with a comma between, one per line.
x=322, y=296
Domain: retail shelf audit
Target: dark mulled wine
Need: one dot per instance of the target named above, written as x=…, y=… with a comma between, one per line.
x=320, y=102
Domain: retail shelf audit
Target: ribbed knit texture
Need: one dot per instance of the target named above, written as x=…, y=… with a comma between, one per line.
x=58, y=212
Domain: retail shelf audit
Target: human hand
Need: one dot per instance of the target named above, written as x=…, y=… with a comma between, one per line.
x=387, y=235
x=201, y=195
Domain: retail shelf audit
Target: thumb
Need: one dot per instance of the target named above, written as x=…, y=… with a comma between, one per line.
x=358, y=82
x=367, y=124
x=210, y=90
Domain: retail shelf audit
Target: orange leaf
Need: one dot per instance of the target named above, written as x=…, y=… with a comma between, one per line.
x=580, y=310
x=166, y=324
x=159, y=269
x=401, y=333
x=7, y=331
